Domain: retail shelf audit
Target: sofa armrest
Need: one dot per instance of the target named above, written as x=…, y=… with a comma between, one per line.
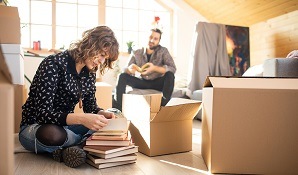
x=280, y=67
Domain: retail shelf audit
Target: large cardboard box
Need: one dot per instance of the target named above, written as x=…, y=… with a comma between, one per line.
x=164, y=131
x=14, y=58
x=10, y=32
x=103, y=96
x=6, y=119
x=249, y=125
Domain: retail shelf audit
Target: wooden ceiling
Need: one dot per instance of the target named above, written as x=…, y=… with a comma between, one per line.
x=242, y=12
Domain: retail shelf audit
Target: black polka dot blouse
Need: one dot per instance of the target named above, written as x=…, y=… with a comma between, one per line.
x=56, y=89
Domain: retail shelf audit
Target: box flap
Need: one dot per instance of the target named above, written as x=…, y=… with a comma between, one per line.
x=10, y=32
x=252, y=82
x=180, y=101
x=178, y=109
x=9, y=12
x=4, y=69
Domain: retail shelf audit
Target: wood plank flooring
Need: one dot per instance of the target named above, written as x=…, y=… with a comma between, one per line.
x=188, y=163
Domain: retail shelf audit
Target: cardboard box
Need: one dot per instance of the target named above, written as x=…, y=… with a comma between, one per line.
x=10, y=32
x=164, y=132
x=14, y=57
x=6, y=119
x=19, y=97
x=249, y=125
x=103, y=96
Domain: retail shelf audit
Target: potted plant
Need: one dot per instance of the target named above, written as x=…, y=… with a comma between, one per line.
x=129, y=46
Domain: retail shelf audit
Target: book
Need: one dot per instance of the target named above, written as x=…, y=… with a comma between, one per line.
x=125, y=142
x=109, y=133
x=107, y=165
x=115, y=154
x=106, y=149
x=116, y=125
x=109, y=137
x=142, y=68
x=97, y=160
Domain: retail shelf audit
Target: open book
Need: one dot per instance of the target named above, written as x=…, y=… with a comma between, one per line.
x=117, y=126
x=143, y=68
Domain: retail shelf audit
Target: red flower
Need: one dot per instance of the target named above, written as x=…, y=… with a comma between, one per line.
x=156, y=18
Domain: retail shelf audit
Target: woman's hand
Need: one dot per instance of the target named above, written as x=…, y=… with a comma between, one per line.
x=107, y=114
x=94, y=121
x=89, y=120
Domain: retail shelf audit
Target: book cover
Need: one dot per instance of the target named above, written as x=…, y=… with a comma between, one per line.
x=107, y=165
x=125, y=142
x=106, y=149
x=115, y=154
x=97, y=160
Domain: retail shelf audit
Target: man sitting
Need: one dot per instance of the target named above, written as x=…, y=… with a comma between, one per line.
x=156, y=67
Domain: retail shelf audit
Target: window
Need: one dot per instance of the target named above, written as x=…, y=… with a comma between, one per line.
x=57, y=23
x=132, y=20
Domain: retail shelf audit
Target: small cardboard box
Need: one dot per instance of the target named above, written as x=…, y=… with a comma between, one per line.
x=169, y=130
x=14, y=58
x=249, y=125
x=103, y=96
x=10, y=32
x=6, y=119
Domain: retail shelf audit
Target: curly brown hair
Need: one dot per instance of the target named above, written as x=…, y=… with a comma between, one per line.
x=94, y=42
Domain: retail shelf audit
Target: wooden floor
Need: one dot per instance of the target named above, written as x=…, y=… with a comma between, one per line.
x=187, y=163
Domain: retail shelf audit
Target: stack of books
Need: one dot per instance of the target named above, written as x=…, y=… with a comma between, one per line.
x=111, y=146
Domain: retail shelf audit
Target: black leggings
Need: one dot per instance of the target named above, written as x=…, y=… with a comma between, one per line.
x=164, y=84
x=51, y=135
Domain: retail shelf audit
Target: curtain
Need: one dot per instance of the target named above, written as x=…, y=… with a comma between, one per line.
x=209, y=55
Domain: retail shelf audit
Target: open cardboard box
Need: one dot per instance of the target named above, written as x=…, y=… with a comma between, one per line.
x=160, y=130
x=6, y=119
x=249, y=125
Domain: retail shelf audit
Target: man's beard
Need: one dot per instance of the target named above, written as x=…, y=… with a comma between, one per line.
x=153, y=47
